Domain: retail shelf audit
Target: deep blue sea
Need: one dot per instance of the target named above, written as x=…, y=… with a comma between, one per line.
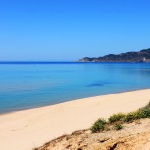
x=29, y=85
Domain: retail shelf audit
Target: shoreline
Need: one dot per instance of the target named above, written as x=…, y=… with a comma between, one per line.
x=30, y=128
x=42, y=106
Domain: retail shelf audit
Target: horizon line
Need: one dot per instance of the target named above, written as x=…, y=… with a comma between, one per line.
x=33, y=62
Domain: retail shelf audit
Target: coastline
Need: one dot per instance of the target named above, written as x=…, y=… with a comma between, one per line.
x=27, y=129
x=43, y=106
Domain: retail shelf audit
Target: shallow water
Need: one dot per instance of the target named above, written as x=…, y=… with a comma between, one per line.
x=29, y=85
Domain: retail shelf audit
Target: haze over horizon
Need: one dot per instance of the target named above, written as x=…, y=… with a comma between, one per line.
x=64, y=30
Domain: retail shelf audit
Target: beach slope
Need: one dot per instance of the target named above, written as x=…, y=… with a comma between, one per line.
x=27, y=129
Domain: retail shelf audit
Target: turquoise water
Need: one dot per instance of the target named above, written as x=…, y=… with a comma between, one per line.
x=24, y=86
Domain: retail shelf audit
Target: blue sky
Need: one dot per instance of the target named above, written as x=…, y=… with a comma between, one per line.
x=66, y=30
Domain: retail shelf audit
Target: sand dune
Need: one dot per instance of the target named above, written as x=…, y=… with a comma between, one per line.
x=133, y=136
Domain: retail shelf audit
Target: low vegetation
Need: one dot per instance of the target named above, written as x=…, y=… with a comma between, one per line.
x=117, y=126
x=99, y=125
x=115, y=121
x=116, y=117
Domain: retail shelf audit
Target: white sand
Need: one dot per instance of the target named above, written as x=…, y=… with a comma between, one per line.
x=24, y=130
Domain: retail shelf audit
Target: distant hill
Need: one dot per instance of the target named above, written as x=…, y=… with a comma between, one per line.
x=140, y=56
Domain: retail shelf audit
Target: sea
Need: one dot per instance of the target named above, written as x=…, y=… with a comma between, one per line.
x=26, y=85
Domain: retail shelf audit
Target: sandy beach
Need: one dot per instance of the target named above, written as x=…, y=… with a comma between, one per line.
x=27, y=129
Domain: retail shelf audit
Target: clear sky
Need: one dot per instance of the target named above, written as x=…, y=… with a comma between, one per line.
x=52, y=30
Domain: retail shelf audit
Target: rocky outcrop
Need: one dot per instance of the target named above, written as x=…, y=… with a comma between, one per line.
x=141, y=56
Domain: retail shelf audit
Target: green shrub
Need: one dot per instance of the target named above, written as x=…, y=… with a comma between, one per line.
x=146, y=112
x=139, y=114
x=116, y=117
x=129, y=117
x=117, y=126
x=142, y=113
x=99, y=125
